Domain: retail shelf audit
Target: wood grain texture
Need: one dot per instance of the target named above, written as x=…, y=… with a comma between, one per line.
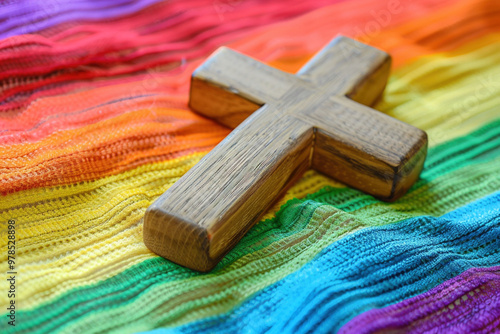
x=284, y=124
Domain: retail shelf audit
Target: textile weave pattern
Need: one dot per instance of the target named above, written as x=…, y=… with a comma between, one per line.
x=94, y=126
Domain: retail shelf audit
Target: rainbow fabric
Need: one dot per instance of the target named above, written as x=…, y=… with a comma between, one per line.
x=94, y=126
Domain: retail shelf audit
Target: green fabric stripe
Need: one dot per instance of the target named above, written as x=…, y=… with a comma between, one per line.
x=171, y=295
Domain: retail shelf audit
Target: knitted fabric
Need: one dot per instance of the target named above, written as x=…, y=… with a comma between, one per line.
x=94, y=126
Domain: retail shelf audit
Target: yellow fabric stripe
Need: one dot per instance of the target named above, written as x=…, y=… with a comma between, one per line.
x=448, y=94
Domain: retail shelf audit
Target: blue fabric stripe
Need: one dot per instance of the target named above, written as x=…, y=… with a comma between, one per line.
x=373, y=267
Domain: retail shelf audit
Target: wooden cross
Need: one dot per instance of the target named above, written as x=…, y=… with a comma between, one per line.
x=289, y=123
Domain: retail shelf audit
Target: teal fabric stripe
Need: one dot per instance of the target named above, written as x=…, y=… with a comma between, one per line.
x=371, y=268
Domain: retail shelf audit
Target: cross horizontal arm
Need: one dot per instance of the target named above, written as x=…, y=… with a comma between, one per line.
x=366, y=149
x=230, y=86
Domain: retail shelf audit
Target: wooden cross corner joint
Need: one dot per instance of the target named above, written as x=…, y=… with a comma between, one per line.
x=283, y=125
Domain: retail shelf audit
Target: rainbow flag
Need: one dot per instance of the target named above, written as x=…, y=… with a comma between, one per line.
x=94, y=126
